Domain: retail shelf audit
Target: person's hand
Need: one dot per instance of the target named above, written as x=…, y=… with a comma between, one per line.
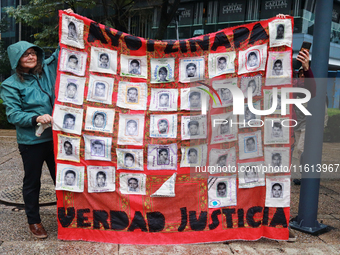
x=303, y=57
x=45, y=119
x=69, y=11
x=281, y=16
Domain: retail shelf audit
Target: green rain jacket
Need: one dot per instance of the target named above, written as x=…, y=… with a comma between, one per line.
x=27, y=100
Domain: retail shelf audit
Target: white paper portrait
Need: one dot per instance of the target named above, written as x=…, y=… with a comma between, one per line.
x=73, y=61
x=280, y=33
x=191, y=69
x=252, y=59
x=192, y=99
x=250, y=145
x=162, y=70
x=72, y=32
x=130, y=159
x=222, y=158
x=253, y=83
x=251, y=175
x=97, y=147
x=71, y=89
x=132, y=95
x=100, y=89
x=278, y=191
x=268, y=101
x=163, y=126
x=279, y=68
x=222, y=129
x=103, y=60
x=134, y=66
x=131, y=129
x=222, y=191
x=67, y=119
x=221, y=63
x=132, y=183
x=70, y=178
x=194, y=127
x=194, y=155
x=275, y=131
x=277, y=157
x=225, y=94
x=68, y=148
x=162, y=157
x=163, y=100
x=99, y=119
x=250, y=119
x=101, y=179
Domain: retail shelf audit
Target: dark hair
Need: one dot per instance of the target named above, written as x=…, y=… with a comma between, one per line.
x=277, y=124
x=222, y=184
x=134, y=61
x=100, y=83
x=251, y=138
x=276, y=155
x=164, y=94
x=192, y=150
x=252, y=80
x=282, y=26
x=163, y=121
x=71, y=24
x=278, y=61
x=277, y=184
x=193, y=122
x=191, y=64
x=97, y=142
x=195, y=93
x=129, y=155
x=132, y=88
x=68, y=143
x=104, y=54
x=132, y=178
x=222, y=157
x=163, y=149
x=163, y=70
x=99, y=113
x=73, y=56
x=252, y=54
x=101, y=173
x=37, y=70
x=69, y=116
x=132, y=121
x=222, y=58
x=70, y=172
x=72, y=84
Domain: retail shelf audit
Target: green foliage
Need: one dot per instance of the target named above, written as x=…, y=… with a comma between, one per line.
x=332, y=131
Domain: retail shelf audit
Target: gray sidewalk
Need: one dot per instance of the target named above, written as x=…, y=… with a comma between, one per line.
x=16, y=239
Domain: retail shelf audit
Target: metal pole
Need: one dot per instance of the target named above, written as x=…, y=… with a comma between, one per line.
x=306, y=220
x=176, y=24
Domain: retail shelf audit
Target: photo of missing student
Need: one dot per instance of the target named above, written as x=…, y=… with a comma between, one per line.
x=68, y=148
x=72, y=31
x=70, y=178
x=222, y=158
x=97, y=148
x=252, y=59
x=194, y=127
x=280, y=32
x=221, y=63
x=249, y=119
x=132, y=95
x=192, y=99
x=278, y=191
x=133, y=66
x=251, y=174
x=103, y=60
x=131, y=129
x=163, y=100
x=162, y=157
x=163, y=126
x=225, y=94
x=100, y=89
x=222, y=191
x=276, y=131
x=162, y=70
x=222, y=129
x=73, y=61
x=101, y=179
x=250, y=145
x=254, y=84
x=71, y=89
x=67, y=119
x=132, y=183
x=191, y=69
x=99, y=119
x=194, y=155
x=279, y=69
x=130, y=159
x=277, y=157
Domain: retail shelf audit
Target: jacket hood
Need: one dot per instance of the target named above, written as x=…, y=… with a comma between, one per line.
x=16, y=50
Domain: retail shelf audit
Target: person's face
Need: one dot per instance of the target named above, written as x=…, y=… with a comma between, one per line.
x=250, y=145
x=162, y=127
x=301, y=74
x=71, y=91
x=277, y=68
x=68, y=149
x=129, y=161
x=100, y=90
x=222, y=162
x=69, y=123
x=72, y=31
x=277, y=191
x=163, y=156
x=132, y=95
x=252, y=85
x=73, y=63
x=250, y=173
x=221, y=190
x=134, y=67
x=162, y=76
x=192, y=157
x=248, y=115
x=131, y=129
x=69, y=179
x=252, y=61
x=195, y=101
x=226, y=94
x=28, y=60
x=104, y=59
x=164, y=100
x=133, y=184
x=97, y=149
x=193, y=129
x=280, y=32
x=222, y=64
x=276, y=161
x=276, y=132
x=101, y=180
x=224, y=128
x=191, y=71
x=99, y=121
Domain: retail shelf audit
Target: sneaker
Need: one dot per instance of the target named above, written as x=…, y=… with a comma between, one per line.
x=38, y=230
x=292, y=237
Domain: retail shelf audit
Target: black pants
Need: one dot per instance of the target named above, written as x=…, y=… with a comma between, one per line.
x=33, y=157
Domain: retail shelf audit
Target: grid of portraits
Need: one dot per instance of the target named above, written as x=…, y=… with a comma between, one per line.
x=124, y=114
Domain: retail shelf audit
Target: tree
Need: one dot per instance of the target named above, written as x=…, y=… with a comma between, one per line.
x=5, y=66
x=167, y=13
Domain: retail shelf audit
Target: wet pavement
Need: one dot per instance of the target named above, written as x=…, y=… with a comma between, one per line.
x=16, y=239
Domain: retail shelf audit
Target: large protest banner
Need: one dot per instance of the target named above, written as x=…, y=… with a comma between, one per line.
x=139, y=161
